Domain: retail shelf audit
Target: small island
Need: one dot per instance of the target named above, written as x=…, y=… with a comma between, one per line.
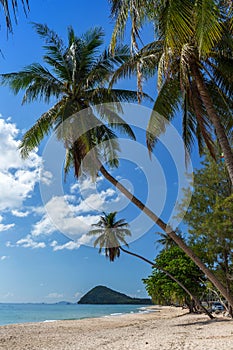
x=105, y=295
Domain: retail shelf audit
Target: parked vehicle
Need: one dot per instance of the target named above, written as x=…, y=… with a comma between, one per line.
x=217, y=306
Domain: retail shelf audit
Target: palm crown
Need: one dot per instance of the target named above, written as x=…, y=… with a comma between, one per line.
x=192, y=56
x=77, y=76
x=111, y=234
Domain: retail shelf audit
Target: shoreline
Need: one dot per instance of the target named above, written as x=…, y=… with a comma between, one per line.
x=141, y=309
x=170, y=328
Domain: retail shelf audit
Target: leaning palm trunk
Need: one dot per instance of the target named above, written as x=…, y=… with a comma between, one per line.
x=171, y=233
x=193, y=297
x=219, y=129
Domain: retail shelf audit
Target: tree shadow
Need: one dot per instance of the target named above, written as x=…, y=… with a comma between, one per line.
x=203, y=322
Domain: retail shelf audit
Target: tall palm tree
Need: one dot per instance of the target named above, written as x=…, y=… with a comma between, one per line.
x=78, y=80
x=6, y=9
x=111, y=234
x=192, y=54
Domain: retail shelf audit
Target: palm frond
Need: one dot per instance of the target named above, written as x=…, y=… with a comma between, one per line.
x=37, y=82
x=7, y=12
x=189, y=123
x=148, y=57
x=173, y=21
x=33, y=137
x=114, y=120
x=121, y=11
x=203, y=126
x=208, y=29
x=48, y=35
x=164, y=109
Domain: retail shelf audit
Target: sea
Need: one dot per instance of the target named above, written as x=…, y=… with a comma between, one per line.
x=23, y=313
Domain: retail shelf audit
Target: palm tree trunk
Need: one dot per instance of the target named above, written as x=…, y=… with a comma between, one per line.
x=197, y=302
x=219, y=129
x=171, y=233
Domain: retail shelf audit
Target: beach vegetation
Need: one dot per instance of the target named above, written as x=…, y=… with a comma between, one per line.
x=165, y=291
x=210, y=218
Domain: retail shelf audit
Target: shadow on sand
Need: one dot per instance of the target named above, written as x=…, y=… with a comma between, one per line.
x=202, y=322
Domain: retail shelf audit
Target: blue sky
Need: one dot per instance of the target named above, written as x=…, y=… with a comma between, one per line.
x=45, y=255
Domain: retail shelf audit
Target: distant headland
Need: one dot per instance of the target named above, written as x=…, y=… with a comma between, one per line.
x=105, y=295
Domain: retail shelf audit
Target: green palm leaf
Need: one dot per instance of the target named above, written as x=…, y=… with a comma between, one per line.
x=208, y=28
x=164, y=110
x=43, y=126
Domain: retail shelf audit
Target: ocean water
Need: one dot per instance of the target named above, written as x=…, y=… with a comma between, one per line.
x=23, y=313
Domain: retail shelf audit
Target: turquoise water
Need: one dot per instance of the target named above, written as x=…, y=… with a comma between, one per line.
x=22, y=313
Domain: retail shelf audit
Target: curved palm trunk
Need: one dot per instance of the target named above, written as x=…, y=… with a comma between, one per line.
x=168, y=230
x=219, y=129
x=197, y=302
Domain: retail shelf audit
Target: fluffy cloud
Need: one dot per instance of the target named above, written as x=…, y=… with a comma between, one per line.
x=85, y=184
x=28, y=242
x=74, y=219
x=69, y=245
x=20, y=214
x=64, y=217
x=17, y=176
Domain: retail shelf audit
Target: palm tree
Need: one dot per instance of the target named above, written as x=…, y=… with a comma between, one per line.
x=192, y=54
x=78, y=80
x=166, y=241
x=6, y=10
x=111, y=234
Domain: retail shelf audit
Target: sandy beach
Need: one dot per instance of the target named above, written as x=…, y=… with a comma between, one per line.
x=169, y=328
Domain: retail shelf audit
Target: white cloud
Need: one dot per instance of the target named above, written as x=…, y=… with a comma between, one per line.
x=28, y=242
x=38, y=210
x=20, y=214
x=55, y=295
x=69, y=245
x=17, y=176
x=5, y=227
x=73, y=220
x=46, y=177
x=85, y=184
x=43, y=227
x=4, y=257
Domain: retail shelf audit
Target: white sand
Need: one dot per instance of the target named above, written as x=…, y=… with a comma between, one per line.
x=168, y=329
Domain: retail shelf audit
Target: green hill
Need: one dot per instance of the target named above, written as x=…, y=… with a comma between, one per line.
x=104, y=295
